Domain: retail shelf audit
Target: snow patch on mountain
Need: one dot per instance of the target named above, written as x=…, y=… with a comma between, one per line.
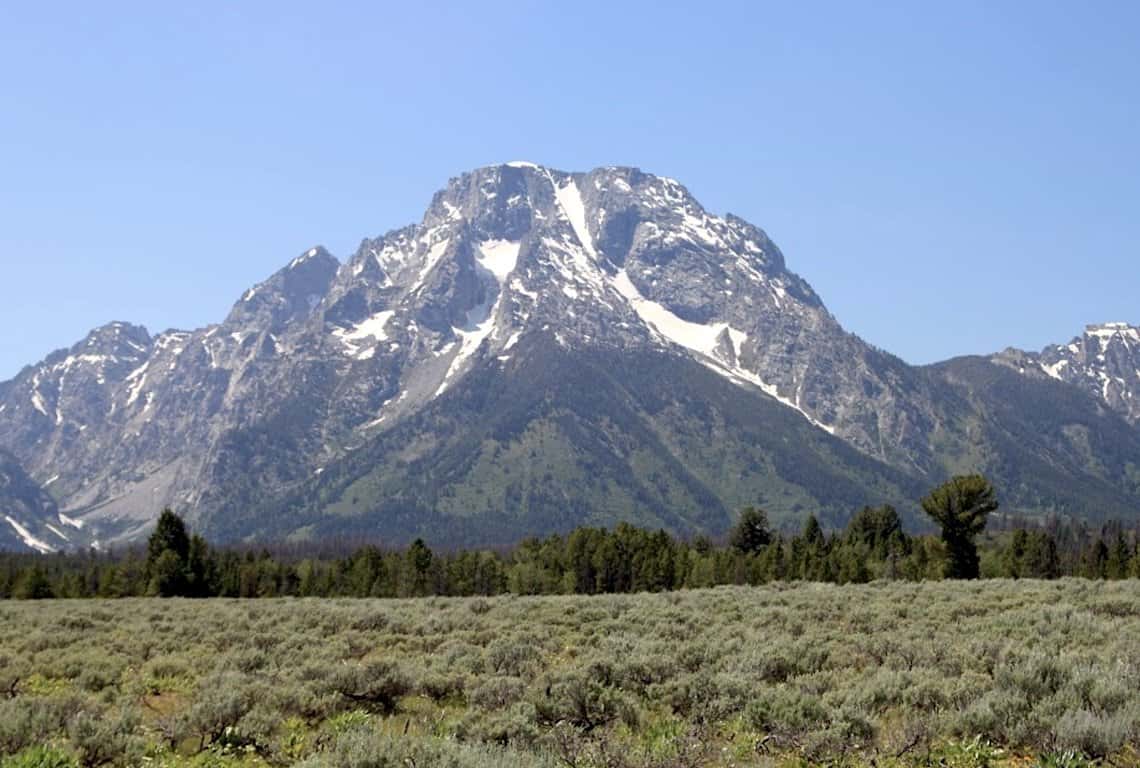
x=704, y=340
x=496, y=260
x=355, y=339
x=38, y=402
x=570, y=200
x=77, y=524
x=434, y=254
x=28, y=539
x=1054, y=370
x=499, y=257
x=137, y=380
x=695, y=336
x=480, y=322
x=302, y=258
x=1109, y=331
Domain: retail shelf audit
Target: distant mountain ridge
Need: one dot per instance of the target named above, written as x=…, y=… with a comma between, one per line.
x=1104, y=361
x=546, y=349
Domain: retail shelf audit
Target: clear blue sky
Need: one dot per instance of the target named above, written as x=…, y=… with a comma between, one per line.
x=951, y=179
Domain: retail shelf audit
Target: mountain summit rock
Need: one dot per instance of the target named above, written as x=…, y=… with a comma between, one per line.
x=542, y=350
x=1104, y=361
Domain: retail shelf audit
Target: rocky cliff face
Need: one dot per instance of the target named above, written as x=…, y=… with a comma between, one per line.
x=1104, y=361
x=513, y=271
x=29, y=518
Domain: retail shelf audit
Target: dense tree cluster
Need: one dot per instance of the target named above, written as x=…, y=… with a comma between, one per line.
x=595, y=560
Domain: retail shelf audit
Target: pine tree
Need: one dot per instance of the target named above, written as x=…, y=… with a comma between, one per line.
x=419, y=559
x=751, y=534
x=961, y=507
x=169, y=533
x=1118, y=557
x=1015, y=553
x=167, y=556
x=1094, y=563
x=1041, y=559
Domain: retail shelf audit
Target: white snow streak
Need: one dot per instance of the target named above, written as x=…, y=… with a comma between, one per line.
x=28, y=539
x=571, y=202
x=77, y=524
x=694, y=336
x=496, y=259
x=303, y=258
x=1055, y=369
x=138, y=376
x=434, y=254
x=354, y=339
x=705, y=340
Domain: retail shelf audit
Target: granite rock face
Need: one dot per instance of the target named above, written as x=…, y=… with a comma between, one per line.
x=29, y=517
x=1103, y=361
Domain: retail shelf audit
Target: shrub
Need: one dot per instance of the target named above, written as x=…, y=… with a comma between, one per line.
x=1092, y=734
x=219, y=704
x=497, y=693
x=28, y=721
x=439, y=686
x=815, y=669
x=513, y=656
x=366, y=748
x=378, y=684
x=583, y=698
x=106, y=737
x=783, y=709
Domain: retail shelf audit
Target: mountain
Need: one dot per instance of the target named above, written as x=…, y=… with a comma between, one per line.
x=29, y=518
x=544, y=349
x=1104, y=361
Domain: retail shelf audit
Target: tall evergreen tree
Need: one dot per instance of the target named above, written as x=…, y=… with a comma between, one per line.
x=1118, y=557
x=750, y=534
x=1014, y=554
x=167, y=556
x=876, y=528
x=961, y=507
x=169, y=534
x=1041, y=560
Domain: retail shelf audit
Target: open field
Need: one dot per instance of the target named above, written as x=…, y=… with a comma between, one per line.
x=937, y=673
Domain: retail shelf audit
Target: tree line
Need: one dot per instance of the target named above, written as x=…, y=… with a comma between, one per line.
x=873, y=546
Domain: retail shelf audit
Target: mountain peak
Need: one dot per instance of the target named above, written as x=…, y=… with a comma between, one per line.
x=317, y=252
x=1107, y=331
x=1104, y=361
x=114, y=336
x=290, y=294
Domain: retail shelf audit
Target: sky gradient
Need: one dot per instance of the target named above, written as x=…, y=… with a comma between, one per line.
x=951, y=180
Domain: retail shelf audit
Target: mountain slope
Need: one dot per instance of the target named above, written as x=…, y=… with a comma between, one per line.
x=29, y=518
x=1051, y=447
x=551, y=439
x=542, y=349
